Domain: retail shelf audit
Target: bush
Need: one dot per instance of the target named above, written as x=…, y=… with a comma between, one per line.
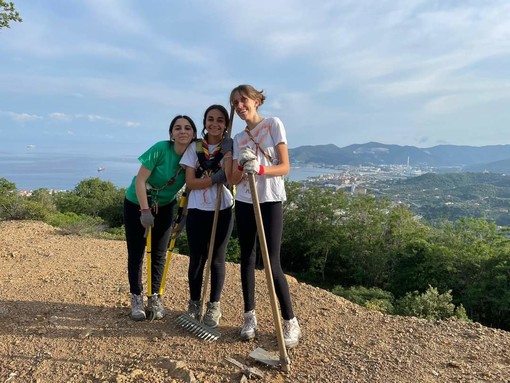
x=372, y=298
x=72, y=223
x=115, y=233
x=19, y=208
x=430, y=305
x=233, y=251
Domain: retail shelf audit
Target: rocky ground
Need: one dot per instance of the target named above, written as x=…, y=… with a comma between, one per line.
x=64, y=317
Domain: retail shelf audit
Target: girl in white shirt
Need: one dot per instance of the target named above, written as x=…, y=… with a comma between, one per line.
x=207, y=163
x=261, y=149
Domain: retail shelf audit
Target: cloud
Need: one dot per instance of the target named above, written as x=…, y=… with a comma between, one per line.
x=61, y=117
x=23, y=117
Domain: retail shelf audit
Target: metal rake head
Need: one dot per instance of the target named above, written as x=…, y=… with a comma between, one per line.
x=198, y=328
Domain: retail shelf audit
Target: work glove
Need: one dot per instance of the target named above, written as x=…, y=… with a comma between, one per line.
x=219, y=177
x=246, y=154
x=147, y=220
x=252, y=166
x=227, y=145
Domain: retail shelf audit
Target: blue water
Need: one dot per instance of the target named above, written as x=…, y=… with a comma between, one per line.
x=31, y=171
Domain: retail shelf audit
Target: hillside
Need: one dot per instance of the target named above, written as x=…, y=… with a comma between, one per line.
x=495, y=158
x=64, y=318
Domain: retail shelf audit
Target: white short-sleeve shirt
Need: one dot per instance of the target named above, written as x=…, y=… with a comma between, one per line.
x=268, y=134
x=204, y=199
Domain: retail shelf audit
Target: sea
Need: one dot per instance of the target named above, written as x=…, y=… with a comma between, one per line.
x=65, y=171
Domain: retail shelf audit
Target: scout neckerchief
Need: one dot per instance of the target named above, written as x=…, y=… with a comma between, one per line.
x=208, y=163
x=257, y=145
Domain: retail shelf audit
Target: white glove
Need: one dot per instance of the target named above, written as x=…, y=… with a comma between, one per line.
x=247, y=154
x=252, y=167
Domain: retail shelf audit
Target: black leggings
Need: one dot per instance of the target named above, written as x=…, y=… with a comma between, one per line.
x=272, y=218
x=135, y=240
x=198, y=229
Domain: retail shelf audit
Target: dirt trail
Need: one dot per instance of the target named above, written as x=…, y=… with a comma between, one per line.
x=64, y=317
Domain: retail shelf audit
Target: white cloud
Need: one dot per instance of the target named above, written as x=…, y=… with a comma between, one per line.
x=23, y=117
x=61, y=116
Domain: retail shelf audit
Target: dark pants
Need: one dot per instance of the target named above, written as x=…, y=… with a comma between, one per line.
x=136, y=244
x=272, y=218
x=198, y=230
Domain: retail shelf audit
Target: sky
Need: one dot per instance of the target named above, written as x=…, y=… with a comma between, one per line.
x=96, y=78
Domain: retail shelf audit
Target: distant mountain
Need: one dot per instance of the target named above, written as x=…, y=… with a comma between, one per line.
x=502, y=166
x=374, y=153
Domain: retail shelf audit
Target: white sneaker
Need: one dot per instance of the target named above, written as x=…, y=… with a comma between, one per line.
x=291, y=332
x=137, y=309
x=155, y=309
x=250, y=325
x=212, y=315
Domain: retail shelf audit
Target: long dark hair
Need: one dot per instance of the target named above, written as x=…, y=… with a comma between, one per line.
x=223, y=111
x=172, y=123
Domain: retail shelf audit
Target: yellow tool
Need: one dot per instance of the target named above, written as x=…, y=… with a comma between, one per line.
x=181, y=212
x=149, y=260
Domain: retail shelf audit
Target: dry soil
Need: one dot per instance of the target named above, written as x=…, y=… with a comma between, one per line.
x=64, y=317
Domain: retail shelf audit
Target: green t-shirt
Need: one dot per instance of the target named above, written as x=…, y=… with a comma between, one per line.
x=163, y=163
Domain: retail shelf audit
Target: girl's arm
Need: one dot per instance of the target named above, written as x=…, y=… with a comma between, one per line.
x=283, y=167
x=227, y=166
x=194, y=183
x=236, y=175
x=141, y=189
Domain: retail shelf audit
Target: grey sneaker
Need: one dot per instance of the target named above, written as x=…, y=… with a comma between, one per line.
x=291, y=332
x=212, y=315
x=250, y=325
x=155, y=309
x=137, y=309
x=194, y=308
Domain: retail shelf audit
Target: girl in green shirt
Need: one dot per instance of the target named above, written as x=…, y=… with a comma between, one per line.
x=150, y=202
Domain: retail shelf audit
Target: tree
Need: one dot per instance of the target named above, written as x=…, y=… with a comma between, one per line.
x=312, y=219
x=8, y=14
x=96, y=198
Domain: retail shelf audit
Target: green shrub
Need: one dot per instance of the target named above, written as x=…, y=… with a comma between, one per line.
x=383, y=305
x=233, y=251
x=19, y=208
x=80, y=224
x=371, y=298
x=430, y=305
x=115, y=233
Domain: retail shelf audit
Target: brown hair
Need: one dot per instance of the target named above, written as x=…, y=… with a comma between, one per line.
x=248, y=91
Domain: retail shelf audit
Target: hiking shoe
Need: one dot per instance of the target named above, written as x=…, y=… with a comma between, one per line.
x=155, y=309
x=194, y=308
x=137, y=309
x=212, y=315
x=250, y=325
x=291, y=332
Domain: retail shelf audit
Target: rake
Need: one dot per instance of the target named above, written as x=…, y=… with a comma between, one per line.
x=197, y=327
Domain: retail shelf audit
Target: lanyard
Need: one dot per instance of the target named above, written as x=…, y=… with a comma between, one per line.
x=257, y=145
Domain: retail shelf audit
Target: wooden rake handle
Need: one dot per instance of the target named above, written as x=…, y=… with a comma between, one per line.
x=284, y=358
x=212, y=240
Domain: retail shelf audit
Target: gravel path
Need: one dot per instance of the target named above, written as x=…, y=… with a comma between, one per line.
x=64, y=317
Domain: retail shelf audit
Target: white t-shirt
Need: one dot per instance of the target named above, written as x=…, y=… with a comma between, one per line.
x=268, y=133
x=204, y=199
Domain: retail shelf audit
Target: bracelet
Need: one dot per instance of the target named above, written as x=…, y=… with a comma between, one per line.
x=145, y=209
x=261, y=170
